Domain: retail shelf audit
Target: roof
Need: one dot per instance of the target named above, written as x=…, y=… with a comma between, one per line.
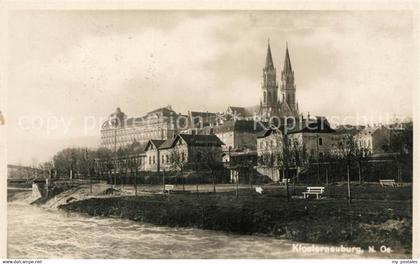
x=193, y=140
x=169, y=143
x=348, y=129
x=205, y=117
x=249, y=126
x=267, y=132
x=204, y=114
x=248, y=111
x=318, y=125
x=132, y=121
x=156, y=142
x=165, y=111
x=264, y=133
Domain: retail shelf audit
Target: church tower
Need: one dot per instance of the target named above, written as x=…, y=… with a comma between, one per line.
x=288, y=87
x=269, y=102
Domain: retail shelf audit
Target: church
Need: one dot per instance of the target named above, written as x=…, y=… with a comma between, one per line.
x=271, y=105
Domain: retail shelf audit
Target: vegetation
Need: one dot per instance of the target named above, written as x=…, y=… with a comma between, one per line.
x=375, y=218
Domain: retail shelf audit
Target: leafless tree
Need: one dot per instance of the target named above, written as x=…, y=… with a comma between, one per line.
x=177, y=161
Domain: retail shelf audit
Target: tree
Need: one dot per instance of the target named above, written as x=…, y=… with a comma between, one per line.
x=350, y=151
x=401, y=143
x=47, y=168
x=177, y=161
x=211, y=158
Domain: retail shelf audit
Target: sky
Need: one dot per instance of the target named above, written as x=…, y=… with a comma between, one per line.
x=68, y=70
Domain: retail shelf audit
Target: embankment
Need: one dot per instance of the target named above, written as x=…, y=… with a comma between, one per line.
x=332, y=221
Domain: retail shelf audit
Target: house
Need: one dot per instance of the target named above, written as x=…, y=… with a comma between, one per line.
x=309, y=139
x=236, y=134
x=315, y=136
x=270, y=145
x=184, y=151
x=374, y=139
x=151, y=160
x=241, y=164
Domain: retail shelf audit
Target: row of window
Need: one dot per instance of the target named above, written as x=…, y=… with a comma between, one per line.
x=273, y=143
x=167, y=158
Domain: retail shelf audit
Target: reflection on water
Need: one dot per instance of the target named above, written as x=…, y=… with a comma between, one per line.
x=35, y=232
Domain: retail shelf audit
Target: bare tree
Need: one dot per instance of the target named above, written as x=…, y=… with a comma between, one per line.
x=349, y=151
x=177, y=161
x=211, y=158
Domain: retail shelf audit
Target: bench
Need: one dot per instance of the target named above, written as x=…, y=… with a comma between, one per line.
x=387, y=183
x=317, y=191
x=259, y=189
x=168, y=188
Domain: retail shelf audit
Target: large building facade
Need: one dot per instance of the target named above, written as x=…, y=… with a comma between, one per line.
x=120, y=131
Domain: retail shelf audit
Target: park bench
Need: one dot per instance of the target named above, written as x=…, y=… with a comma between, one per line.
x=387, y=183
x=317, y=191
x=259, y=189
x=168, y=188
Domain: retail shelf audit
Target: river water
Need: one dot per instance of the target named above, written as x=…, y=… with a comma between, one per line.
x=35, y=232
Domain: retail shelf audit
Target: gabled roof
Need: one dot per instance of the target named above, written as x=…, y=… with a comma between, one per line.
x=264, y=133
x=318, y=125
x=249, y=126
x=267, y=132
x=193, y=140
x=169, y=143
x=244, y=111
x=155, y=142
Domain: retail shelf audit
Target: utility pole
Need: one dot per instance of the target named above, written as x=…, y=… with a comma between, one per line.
x=326, y=175
x=136, y=164
x=348, y=184
x=317, y=157
x=163, y=180
x=88, y=169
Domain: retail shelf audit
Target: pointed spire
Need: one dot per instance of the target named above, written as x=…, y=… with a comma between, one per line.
x=269, y=59
x=287, y=65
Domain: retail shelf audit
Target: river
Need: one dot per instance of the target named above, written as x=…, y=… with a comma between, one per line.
x=35, y=232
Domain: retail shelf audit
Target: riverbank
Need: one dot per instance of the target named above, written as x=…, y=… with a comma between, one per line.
x=385, y=220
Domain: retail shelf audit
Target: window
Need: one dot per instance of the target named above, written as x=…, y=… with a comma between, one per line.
x=163, y=159
x=150, y=159
x=320, y=141
x=167, y=158
x=154, y=160
x=182, y=156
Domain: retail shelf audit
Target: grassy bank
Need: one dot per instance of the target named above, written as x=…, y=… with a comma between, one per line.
x=384, y=220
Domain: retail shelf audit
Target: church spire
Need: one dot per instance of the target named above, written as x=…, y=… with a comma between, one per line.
x=269, y=59
x=287, y=65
